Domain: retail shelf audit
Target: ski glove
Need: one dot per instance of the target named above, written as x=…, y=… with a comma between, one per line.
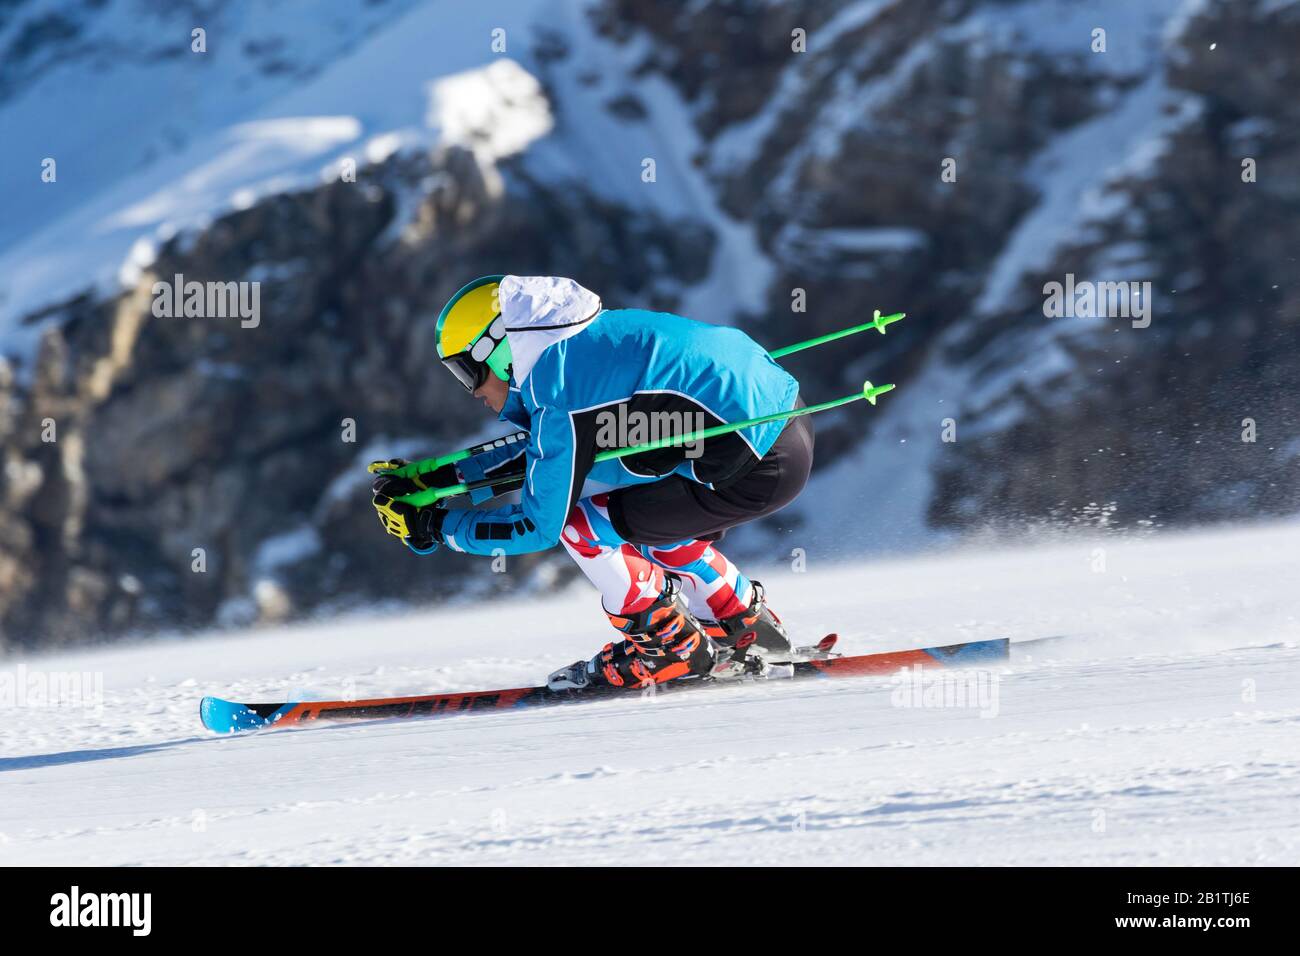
x=419, y=528
x=395, y=486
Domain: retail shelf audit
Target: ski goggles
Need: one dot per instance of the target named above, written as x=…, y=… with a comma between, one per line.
x=471, y=367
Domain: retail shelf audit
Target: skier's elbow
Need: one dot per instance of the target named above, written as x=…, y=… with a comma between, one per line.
x=540, y=540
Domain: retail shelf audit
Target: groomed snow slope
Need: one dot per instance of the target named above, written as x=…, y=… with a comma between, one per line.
x=1165, y=729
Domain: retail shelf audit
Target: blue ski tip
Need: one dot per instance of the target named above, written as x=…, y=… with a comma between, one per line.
x=227, y=717
x=975, y=652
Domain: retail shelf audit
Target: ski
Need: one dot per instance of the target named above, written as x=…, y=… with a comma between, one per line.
x=226, y=717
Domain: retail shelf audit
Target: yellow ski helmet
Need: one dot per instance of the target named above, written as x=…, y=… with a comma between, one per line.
x=471, y=334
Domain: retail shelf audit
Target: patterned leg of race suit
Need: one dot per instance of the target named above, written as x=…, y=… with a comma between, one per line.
x=631, y=577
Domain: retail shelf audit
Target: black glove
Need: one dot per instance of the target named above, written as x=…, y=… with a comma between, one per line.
x=419, y=528
x=394, y=486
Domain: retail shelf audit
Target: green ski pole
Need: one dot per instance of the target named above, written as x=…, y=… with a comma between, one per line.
x=869, y=392
x=413, y=468
x=878, y=322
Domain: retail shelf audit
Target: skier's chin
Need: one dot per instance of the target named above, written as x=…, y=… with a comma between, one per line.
x=491, y=396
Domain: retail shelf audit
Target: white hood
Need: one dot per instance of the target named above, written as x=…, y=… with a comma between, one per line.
x=540, y=311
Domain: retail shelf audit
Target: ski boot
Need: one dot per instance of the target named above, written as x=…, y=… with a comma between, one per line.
x=752, y=643
x=664, y=642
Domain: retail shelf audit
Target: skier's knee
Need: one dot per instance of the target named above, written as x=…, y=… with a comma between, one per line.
x=587, y=530
x=678, y=555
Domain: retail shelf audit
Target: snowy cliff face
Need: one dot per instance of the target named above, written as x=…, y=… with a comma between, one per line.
x=1200, y=200
x=774, y=171
x=1117, y=166
x=249, y=442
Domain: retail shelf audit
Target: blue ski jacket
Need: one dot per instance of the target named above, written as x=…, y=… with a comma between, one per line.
x=584, y=379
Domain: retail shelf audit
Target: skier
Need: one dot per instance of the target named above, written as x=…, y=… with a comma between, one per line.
x=544, y=355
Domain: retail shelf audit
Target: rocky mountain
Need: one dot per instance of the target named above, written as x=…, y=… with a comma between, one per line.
x=809, y=161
